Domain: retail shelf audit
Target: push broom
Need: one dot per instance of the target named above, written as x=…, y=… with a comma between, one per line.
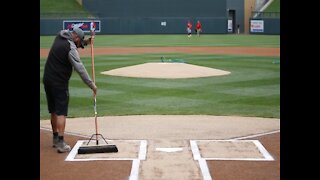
x=106, y=148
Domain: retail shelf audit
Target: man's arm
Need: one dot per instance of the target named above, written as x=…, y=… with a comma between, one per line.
x=74, y=58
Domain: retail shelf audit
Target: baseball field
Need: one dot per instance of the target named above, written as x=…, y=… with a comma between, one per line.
x=252, y=88
x=210, y=127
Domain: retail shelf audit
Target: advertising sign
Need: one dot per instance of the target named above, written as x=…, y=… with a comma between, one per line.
x=85, y=25
x=256, y=26
x=230, y=25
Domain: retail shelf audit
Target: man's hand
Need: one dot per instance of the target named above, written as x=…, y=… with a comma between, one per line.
x=94, y=88
x=87, y=41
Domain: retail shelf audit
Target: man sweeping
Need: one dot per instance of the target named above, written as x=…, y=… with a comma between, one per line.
x=63, y=58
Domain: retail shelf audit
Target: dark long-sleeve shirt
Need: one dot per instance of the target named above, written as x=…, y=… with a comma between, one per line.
x=62, y=59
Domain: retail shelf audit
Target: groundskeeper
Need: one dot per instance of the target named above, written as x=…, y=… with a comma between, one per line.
x=63, y=58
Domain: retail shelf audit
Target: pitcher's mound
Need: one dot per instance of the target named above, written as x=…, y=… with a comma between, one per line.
x=166, y=70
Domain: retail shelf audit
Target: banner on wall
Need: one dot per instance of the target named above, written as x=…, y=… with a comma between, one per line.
x=230, y=25
x=256, y=26
x=85, y=25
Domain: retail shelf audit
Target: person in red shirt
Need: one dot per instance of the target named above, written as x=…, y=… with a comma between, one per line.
x=198, y=28
x=189, y=27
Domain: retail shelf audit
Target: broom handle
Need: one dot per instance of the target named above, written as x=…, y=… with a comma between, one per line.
x=94, y=80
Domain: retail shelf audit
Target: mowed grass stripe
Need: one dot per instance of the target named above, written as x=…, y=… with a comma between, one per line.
x=178, y=40
x=252, y=88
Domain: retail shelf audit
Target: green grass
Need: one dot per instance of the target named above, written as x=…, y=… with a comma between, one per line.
x=62, y=8
x=178, y=40
x=273, y=7
x=252, y=88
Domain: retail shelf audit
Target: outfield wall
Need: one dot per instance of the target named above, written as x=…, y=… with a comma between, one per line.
x=50, y=26
x=141, y=25
x=158, y=16
x=163, y=17
x=156, y=8
x=150, y=16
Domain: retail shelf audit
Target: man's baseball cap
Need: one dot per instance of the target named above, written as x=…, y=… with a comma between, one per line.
x=81, y=35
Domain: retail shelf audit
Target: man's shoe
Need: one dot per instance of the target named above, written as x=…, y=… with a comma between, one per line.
x=63, y=147
x=55, y=141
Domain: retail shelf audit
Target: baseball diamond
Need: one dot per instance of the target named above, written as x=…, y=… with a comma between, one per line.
x=196, y=154
x=160, y=90
x=190, y=138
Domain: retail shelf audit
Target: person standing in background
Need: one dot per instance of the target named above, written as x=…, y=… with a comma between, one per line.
x=198, y=28
x=189, y=28
x=238, y=28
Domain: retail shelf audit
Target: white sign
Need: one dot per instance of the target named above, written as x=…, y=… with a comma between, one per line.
x=164, y=23
x=256, y=26
x=229, y=25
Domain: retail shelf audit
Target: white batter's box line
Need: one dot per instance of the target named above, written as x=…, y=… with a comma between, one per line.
x=134, y=174
x=143, y=150
x=262, y=150
x=257, y=135
x=204, y=169
x=238, y=159
x=195, y=150
x=202, y=162
x=74, y=151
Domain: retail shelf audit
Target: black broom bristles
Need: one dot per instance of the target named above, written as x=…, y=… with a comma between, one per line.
x=97, y=149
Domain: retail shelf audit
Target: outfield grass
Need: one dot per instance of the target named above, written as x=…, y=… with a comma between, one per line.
x=178, y=40
x=252, y=88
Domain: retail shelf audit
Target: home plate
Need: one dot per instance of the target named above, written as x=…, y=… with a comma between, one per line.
x=169, y=149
